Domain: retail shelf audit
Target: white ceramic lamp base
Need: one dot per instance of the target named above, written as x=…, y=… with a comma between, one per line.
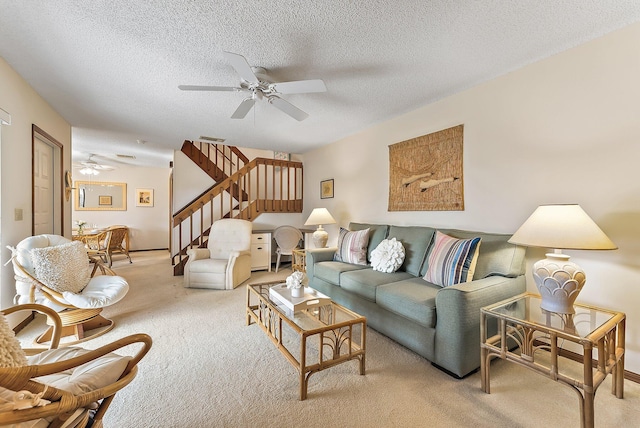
x=559, y=282
x=320, y=237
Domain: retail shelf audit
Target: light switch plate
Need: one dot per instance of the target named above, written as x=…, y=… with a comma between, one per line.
x=18, y=214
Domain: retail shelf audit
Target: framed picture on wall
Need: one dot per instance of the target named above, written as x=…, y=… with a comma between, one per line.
x=144, y=197
x=326, y=189
x=104, y=200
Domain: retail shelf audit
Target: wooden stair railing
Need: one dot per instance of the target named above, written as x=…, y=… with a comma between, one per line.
x=270, y=186
x=216, y=160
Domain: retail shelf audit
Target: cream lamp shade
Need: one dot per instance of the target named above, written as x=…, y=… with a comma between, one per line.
x=320, y=216
x=559, y=227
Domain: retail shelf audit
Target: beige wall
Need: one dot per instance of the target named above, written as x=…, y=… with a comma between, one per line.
x=148, y=226
x=26, y=108
x=563, y=130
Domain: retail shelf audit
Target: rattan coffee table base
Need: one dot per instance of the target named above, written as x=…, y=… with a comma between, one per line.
x=326, y=336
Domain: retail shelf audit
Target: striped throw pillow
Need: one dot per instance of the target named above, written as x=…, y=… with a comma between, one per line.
x=451, y=260
x=352, y=246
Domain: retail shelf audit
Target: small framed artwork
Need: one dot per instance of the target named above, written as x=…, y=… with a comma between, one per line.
x=326, y=189
x=104, y=200
x=281, y=156
x=144, y=197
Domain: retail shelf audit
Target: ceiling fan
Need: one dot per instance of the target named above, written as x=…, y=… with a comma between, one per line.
x=255, y=81
x=91, y=167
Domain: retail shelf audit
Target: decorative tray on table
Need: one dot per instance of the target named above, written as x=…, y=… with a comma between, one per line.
x=311, y=298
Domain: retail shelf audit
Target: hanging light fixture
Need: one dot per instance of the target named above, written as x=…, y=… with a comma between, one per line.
x=87, y=170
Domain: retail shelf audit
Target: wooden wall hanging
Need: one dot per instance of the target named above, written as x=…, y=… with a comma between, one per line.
x=425, y=173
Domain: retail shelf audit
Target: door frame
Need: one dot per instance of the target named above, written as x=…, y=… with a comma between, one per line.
x=58, y=150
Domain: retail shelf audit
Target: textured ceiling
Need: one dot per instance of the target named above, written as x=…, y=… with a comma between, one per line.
x=112, y=68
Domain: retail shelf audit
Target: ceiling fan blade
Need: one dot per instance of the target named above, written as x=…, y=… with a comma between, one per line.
x=208, y=88
x=300, y=87
x=243, y=108
x=242, y=67
x=288, y=108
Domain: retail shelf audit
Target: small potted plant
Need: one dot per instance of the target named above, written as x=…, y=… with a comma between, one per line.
x=294, y=283
x=81, y=224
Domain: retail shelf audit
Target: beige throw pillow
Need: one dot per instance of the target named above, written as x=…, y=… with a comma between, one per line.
x=11, y=354
x=62, y=267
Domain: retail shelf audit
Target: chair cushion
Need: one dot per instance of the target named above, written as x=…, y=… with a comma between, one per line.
x=90, y=376
x=452, y=261
x=388, y=256
x=25, y=246
x=209, y=266
x=101, y=291
x=62, y=267
x=413, y=299
x=352, y=246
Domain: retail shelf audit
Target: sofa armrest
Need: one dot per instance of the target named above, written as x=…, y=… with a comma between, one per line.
x=318, y=255
x=458, y=318
x=198, y=253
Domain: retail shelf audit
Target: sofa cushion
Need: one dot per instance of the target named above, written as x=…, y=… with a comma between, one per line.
x=364, y=282
x=330, y=271
x=412, y=298
x=497, y=257
x=388, y=256
x=377, y=232
x=352, y=246
x=416, y=241
x=451, y=260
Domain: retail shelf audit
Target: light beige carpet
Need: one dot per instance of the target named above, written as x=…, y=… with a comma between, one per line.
x=208, y=369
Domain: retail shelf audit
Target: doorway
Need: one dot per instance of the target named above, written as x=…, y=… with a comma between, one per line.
x=47, y=192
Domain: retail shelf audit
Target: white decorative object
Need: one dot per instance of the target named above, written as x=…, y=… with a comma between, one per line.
x=26, y=400
x=559, y=281
x=311, y=298
x=320, y=216
x=388, y=256
x=11, y=353
x=294, y=283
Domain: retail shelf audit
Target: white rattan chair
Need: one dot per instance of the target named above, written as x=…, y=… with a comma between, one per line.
x=287, y=238
x=77, y=384
x=79, y=310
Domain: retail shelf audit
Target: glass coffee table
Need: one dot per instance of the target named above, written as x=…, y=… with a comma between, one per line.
x=542, y=337
x=311, y=339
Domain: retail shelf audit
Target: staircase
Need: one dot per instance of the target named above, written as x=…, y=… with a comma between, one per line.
x=244, y=189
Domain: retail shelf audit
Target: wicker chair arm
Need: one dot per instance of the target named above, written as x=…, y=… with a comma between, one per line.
x=49, y=312
x=20, y=378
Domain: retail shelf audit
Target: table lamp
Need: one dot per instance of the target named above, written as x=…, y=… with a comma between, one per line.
x=568, y=227
x=320, y=216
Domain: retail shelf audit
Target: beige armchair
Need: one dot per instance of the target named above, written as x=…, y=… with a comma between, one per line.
x=65, y=387
x=226, y=262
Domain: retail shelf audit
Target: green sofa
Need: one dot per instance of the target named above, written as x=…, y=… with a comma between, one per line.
x=440, y=324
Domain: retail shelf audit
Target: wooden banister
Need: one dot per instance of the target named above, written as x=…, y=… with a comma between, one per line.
x=261, y=185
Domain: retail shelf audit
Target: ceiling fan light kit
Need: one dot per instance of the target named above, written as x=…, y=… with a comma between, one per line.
x=255, y=81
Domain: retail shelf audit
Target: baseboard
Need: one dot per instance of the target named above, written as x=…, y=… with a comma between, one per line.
x=22, y=324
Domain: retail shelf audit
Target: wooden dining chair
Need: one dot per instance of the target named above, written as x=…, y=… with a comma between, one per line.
x=113, y=240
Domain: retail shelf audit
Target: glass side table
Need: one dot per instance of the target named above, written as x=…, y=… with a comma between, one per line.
x=522, y=323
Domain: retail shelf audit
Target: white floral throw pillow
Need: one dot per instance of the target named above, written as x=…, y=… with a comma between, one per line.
x=388, y=256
